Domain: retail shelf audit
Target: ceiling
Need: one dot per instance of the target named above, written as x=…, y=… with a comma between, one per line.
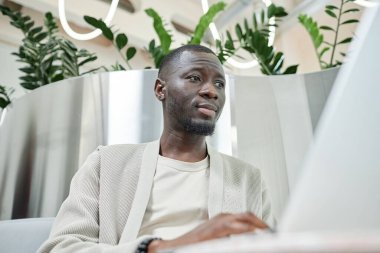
x=182, y=15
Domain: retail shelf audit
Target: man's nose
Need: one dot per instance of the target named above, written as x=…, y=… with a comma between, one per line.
x=209, y=90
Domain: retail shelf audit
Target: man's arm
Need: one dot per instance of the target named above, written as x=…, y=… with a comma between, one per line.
x=267, y=210
x=219, y=226
x=76, y=227
x=224, y=225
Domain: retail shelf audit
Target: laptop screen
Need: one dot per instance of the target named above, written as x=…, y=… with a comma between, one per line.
x=339, y=189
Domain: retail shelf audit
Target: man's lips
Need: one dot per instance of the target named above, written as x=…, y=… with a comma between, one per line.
x=207, y=109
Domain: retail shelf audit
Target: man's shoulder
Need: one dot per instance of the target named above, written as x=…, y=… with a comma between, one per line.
x=236, y=163
x=121, y=147
x=122, y=151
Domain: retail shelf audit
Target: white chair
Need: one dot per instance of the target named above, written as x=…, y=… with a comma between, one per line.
x=24, y=235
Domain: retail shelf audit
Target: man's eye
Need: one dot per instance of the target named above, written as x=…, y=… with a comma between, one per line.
x=219, y=84
x=194, y=78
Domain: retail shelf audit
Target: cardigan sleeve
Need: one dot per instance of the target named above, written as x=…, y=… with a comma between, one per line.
x=76, y=227
x=267, y=211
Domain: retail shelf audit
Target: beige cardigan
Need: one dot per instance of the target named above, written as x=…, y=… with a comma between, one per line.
x=110, y=192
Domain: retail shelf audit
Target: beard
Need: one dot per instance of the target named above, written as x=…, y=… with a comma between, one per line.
x=191, y=126
x=198, y=128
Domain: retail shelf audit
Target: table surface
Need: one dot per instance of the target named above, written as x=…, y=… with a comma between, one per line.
x=363, y=242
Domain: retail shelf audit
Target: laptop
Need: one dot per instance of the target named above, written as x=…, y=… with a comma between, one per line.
x=337, y=196
x=339, y=189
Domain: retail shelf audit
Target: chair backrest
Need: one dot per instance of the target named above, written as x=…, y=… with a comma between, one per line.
x=24, y=235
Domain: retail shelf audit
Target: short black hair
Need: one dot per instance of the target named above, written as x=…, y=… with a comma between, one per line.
x=176, y=53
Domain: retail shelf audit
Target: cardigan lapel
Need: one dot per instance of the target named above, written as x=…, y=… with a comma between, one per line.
x=144, y=187
x=142, y=195
x=215, y=192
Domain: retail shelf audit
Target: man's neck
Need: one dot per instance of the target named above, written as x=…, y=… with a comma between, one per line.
x=183, y=146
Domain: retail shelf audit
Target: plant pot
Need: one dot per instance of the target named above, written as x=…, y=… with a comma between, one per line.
x=275, y=118
x=46, y=135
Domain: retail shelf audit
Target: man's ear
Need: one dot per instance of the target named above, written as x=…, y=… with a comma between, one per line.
x=160, y=89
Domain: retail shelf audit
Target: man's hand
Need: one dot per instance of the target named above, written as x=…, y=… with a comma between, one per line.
x=220, y=226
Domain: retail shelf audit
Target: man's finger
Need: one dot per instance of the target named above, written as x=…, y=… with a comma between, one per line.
x=252, y=219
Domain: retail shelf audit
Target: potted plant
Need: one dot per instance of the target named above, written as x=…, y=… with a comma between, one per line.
x=253, y=37
x=47, y=56
x=321, y=46
x=271, y=117
x=156, y=50
x=64, y=121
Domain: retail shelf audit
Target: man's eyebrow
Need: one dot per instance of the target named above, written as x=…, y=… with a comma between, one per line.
x=196, y=68
x=220, y=75
x=201, y=69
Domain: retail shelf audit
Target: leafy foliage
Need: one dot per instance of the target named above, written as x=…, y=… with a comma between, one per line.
x=119, y=41
x=254, y=38
x=163, y=35
x=158, y=51
x=5, y=96
x=47, y=56
x=316, y=37
x=321, y=46
x=205, y=21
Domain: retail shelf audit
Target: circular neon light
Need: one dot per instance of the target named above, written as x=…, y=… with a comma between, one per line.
x=84, y=36
x=365, y=3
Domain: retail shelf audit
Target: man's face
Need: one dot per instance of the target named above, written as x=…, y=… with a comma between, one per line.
x=195, y=93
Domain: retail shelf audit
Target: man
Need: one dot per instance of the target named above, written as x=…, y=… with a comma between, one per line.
x=171, y=192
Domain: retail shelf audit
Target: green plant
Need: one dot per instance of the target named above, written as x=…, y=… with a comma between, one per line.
x=119, y=41
x=158, y=51
x=47, y=56
x=320, y=45
x=5, y=96
x=254, y=39
x=205, y=21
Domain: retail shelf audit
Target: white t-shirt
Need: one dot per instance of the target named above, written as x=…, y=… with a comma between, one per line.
x=178, y=201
